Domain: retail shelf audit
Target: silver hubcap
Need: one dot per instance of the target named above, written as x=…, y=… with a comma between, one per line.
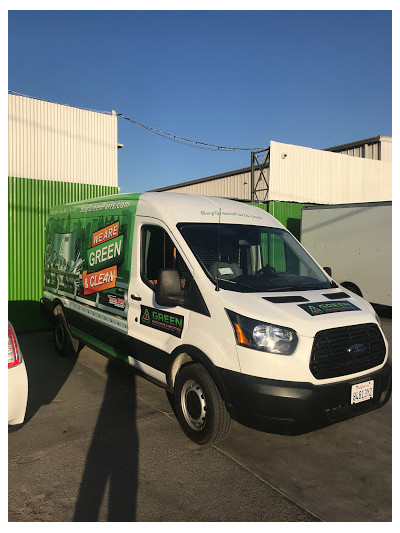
x=193, y=405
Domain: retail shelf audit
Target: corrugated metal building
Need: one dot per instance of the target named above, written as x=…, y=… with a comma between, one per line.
x=301, y=174
x=378, y=148
x=57, y=154
x=49, y=141
x=356, y=172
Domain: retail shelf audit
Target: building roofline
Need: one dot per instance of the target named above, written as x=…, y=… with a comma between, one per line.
x=203, y=180
x=354, y=144
x=14, y=93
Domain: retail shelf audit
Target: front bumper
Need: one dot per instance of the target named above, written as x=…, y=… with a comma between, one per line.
x=295, y=407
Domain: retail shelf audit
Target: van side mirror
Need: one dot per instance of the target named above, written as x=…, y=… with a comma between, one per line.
x=168, y=289
x=328, y=270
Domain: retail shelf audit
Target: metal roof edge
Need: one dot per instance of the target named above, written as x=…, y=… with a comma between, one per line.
x=357, y=143
x=203, y=180
x=359, y=204
x=14, y=93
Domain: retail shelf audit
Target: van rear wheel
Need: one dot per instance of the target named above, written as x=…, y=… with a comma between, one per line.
x=200, y=410
x=65, y=345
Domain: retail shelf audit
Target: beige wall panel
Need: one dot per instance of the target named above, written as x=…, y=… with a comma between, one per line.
x=386, y=150
x=379, y=148
x=60, y=143
x=237, y=186
x=317, y=176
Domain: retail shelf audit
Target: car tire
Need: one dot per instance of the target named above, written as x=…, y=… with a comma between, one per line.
x=199, y=408
x=171, y=400
x=64, y=344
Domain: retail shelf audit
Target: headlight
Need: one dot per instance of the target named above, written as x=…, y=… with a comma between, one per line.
x=263, y=336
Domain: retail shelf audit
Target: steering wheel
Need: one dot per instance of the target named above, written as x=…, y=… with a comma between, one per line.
x=267, y=269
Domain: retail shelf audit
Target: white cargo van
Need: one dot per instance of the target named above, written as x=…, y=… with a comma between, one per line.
x=218, y=303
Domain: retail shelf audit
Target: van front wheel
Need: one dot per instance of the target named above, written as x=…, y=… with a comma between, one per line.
x=200, y=410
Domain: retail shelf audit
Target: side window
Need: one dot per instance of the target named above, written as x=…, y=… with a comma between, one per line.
x=158, y=251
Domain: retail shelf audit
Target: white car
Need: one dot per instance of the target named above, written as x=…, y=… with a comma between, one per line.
x=17, y=381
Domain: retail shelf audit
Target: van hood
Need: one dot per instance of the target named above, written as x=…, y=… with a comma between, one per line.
x=307, y=312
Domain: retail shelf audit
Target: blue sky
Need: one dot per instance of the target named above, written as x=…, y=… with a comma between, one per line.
x=232, y=78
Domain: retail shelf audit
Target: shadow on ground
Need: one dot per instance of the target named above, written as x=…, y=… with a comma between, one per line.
x=107, y=486
x=47, y=371
x=111, y=468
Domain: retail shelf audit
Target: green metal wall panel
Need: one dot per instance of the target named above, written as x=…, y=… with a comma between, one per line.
x=29, y=203
x=288, y=213
x=264, y=207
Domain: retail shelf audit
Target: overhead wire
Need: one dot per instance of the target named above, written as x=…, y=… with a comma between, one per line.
x=170, y=136
x=190, y=142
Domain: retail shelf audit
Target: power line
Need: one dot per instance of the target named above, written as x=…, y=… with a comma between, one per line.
x=175, y=138
x=190, y=142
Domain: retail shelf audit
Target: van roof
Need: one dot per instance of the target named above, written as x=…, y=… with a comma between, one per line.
x=178, y=207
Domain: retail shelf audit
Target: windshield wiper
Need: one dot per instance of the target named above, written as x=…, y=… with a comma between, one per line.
x=310, y=286
x=237, y=283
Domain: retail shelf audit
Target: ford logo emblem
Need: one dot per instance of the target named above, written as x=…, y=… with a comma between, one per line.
x=356, y=348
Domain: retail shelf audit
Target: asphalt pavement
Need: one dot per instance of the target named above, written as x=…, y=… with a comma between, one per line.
x=101, y=444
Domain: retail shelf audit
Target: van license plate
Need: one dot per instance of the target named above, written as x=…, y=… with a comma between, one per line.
x=362, y=391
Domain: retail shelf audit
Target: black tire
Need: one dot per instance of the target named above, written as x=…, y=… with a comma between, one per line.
x=199, y=408
x=171, y=400
x=62, y=340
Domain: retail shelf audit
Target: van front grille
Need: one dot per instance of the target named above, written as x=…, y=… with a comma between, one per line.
x=346, y=350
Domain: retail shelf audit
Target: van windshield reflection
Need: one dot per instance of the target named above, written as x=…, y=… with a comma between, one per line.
x=252, y=258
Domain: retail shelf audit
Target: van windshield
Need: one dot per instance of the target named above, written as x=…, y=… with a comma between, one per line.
x=252, y=258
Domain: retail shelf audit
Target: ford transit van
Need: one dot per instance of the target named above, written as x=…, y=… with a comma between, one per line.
x=215, y=301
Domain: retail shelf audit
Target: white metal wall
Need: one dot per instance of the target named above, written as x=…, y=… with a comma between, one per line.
x=299, y=174
x=55, y=142
x=386, y=148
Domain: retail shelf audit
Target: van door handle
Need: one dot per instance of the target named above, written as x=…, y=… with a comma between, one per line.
x=136, y=297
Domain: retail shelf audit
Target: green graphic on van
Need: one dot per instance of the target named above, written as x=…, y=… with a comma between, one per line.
x=323, y=308
x=157, y=319
x=105, y=254
x=88, y=252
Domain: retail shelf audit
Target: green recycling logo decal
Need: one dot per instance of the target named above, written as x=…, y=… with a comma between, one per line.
x=146, y=315
x=323, y=308
x=161, y=320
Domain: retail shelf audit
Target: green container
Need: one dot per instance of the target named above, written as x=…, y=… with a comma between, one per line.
x=29, y=203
